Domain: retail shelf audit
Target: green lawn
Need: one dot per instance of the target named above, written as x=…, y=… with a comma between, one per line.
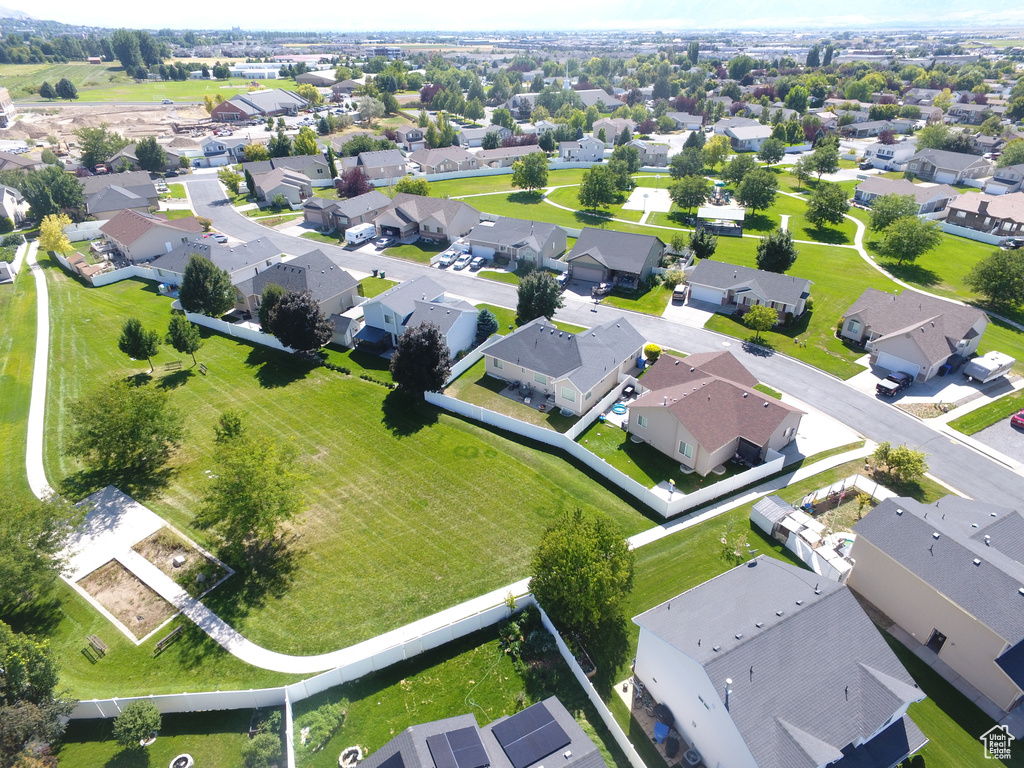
x=652, y=301
x=17, y=351
x=499, y=277
x=176, y=192
x=178, y=213
x=187, y=90
x=507, y=320
x=469, y=675
x=421, y=251
x=214, y=739
x=374, y=286
x=838, y=275
x=331, y=238
x=393, y=491
x=987, y=415
x=16, y=77
x=478, y=185
x=529, y=205
x=569, y=197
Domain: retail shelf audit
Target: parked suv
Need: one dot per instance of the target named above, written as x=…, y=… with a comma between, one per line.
x=895, y=382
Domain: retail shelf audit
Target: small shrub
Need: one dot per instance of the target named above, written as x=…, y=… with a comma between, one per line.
x=673, y=277
x=322, y=722
x=652, y=352
x=6, y=225
x=12, y=240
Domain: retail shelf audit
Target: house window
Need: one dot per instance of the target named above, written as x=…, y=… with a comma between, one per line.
x=389, y=319
x=588, y=395
x=540, y=378
x=686, y=449
x=641, y=421
x=961, y=214
x=568, y=394
x=853, y=326
x=498, y=364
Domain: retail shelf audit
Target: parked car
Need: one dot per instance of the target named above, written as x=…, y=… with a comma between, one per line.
x=477, y=263
x=170, y=174
x=448, y=258
x=167, y=101
x=895, y=382
x=1017, y=420
x=463, y=261
x=218, y=237
x=866, y=166
x=563, y=280
x=679, y=294
x=383, y=242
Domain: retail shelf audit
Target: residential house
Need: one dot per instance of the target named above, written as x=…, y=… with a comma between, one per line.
x=612, y=127
x=345, y=88
x=732, y=288
x=890, y=156
x=983, y=144
x=1005, y=180
x=949, y=574
x=12, y=162
x=269, y=102
x=521, y=105
x=517, y=240
x=319, y=79
x=930, y=198
x=735, y=121
x=686, y=122
x=770, y=665
x=704, y=411
x=586, y=150
x=572, y=370
x=13, y=205
x=474, y=137
x=504, y=157
x=294, y=186
x=7, y=109
x=755, y=110
x=333, y=289
x=411, y=137
x=544, y=733
x=380, y=165
x=652, y=154
x=144, y=236
x=430, y=218
x=544, y=126
x=598, y=97
x=217, y=151
x=603, y=256
x=313, y=167
x=331, y=214
x=999, y=215
x=126, y=158
x=912, y=332
x=868, y=129
x=106, y=203
x=748, y=138
x=968, y=114
x=390, y=314
x=947, y=167
x=241, y=262
x=133, y=187
x=444, y=160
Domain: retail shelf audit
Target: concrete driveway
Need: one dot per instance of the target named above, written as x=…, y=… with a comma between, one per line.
x=953, y=389
x=694, y=314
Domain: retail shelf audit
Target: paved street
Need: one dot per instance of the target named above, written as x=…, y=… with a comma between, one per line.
x=963, y=468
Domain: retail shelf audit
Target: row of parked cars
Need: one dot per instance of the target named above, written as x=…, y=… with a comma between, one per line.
x=456, y=259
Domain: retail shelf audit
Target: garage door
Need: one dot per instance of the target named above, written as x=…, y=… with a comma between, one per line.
x=482, y=250
x=703, y=293
x=945, y=177
x=893, y=363
x=588, y=274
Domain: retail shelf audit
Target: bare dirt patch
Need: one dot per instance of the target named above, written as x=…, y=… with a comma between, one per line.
x=924, y=410
x=161, y=549
x=131, y=121
x=133, y=603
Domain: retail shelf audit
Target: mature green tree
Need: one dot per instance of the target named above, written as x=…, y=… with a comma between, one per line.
x=900, y=461
x=413, y=185
x=51, y=190
x=255, y=152
x=503, y=117
x=738, y=167
x=272, y=294
x=280, y=145
x=184, y=336
x=299, y=323
x=583, y=572
x=231, y=179
x=305, y=142
x=530, y=172
x=474, y=110
x=135, y=724
x=908, y=238
x=539, y=295
x=771, y=152
x=760, y=318
x=825, y=159
x=421, y=362
x=151, y=155
x=262, y=751
x=125, y=45
x=32, y=536
x=776, y=252
x=122, y=426
x=66, y=89
x=803, y=169
x=828, y=204
x=99, y=144
x=631, y=155
x=690, y=192
x=999, y=277
x=491, y=140
x=885, y=209
x=254, y=489
x=695, y=140
x=797, y=98
x=206, y=289
x=715, y=150
x=758, y=189
x=1013, y=154
x=332, y=166
x=934, y=136
x=370, y=109
x=689, y=162
x=597, y=188
x=486, y=325
x=137, y=342
x=703, y=243
x=47, y=91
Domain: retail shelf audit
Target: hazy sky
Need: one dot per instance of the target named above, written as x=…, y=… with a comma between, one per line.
x=543, y=15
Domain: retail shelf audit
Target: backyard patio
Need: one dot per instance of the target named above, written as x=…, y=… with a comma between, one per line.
x=649, y=715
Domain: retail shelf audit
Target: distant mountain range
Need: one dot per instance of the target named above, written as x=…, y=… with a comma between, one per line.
x=10, y=13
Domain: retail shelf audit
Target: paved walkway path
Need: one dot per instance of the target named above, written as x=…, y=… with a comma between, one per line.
x=37, y=404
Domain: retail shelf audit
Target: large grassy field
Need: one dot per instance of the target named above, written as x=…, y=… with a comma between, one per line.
x=17, y=350
x=398, y=525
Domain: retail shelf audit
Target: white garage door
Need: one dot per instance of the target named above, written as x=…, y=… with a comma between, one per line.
x=893, y=363
x=588, y=274
x=945, y=177
x=482, y=250
x=703, y=293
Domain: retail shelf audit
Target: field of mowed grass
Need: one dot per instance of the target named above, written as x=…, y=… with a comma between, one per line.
x=16, y=77
x=530, y=205
x=397, y=527
x=17, y=353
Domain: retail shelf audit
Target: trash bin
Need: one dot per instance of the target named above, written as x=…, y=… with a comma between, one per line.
x=375, y=273
x=382, y=274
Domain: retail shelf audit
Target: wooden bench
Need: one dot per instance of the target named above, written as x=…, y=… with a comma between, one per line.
x=170, y=638
x=98, y=645
x=202, y=368
x=175, y=365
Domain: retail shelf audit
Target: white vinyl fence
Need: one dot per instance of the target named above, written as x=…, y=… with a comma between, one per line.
x=235, y=330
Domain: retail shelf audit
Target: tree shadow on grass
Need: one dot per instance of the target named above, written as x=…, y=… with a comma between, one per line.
x=912, y=273
x=42, y=616
x=760, y=222
x=526, y=198
x=138, y=482
x=827, y=235
x=758, y=347
x=277, y=369
x=592, y=218
x=129, y=758
x=609, y=650
x=176, y=379
x=405, y=414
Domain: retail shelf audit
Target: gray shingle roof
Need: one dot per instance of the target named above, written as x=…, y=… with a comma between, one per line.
x=114, y=198
x=988, y=591
x=138, y=182
x=879, y=185
x=952, y=161
x=374, y=200
x=432, y=157
x=313, y=272
x=513, y=232
x=811, y=674
x=406, y=207
x=583, y=358
x=228, y=257
x=402, y=298
x=620, y=251
x=442, y=314
x=769, y=285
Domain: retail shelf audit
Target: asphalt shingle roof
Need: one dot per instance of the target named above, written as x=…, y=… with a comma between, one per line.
x=230, y=258
x=619, y=251
x=810, y=673
x=513, y=232
x=951, y=161
x=313, y=272
x=128, y=226
x=442, y=314
x=770, y=286
x=406, y=208
x=402, y=298
x=879, y=185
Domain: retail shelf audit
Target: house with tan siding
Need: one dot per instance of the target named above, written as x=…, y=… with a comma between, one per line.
x=144, y=236
x=431, y=218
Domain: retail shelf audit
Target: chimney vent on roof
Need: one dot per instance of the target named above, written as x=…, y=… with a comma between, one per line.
x=935, y=535
x=899, y=511
x=977, y=561
x=778, y=613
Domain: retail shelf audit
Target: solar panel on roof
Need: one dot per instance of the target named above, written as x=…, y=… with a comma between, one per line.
x=530, y=736
x=460, y=748
x=441, y=751
x=395, y=761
